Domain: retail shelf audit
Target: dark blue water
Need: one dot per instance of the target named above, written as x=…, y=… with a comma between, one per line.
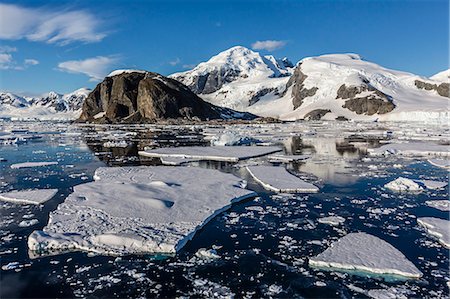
x=264, y=243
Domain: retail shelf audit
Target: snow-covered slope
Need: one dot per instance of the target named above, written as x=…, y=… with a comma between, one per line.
x=237, y=78
x=344, y=85
x=50, y=106
x=443, y=76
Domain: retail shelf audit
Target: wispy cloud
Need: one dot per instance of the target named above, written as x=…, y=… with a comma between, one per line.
x=175, y=62
x=96, y=68
x=268, y=45
x=51, y=26
x=30, y=61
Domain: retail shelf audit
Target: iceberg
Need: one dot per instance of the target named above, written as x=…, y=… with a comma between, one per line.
x=145, y=209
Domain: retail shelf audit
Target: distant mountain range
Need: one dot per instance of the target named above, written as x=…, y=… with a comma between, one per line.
x=50, y=106
x=335, y=86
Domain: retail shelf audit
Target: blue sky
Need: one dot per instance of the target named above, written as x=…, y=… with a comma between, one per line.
x=62, y=46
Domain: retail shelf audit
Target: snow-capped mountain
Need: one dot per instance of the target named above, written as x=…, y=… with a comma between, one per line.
x=346, y=86
x=237, y=78
x=50, y=106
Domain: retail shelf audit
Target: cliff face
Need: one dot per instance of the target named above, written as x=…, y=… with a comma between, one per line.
x=144, y=97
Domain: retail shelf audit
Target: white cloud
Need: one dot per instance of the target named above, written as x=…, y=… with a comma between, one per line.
x=175, y=62
x=31, y=61
x=96, y=68
x=51, y=26
x=7, y=61
x=268, y=45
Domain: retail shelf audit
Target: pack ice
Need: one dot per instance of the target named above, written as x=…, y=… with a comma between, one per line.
x=361, y=251
x=402, y=184
x=153, y=209
x=437, y=227
x=213, y=153
x=279, y=180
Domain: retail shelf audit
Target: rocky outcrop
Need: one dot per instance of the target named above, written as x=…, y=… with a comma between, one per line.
x=376, y=102
x=442, y=89
x=316, y=114
x=299, y=92
x=147, y=97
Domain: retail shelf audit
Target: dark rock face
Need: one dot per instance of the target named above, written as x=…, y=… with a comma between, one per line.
x=146, y=97
x=442, y=89
x=374, y=103
x=260, y=93
x=316, y=114
x=213, y=81
x=299, y=92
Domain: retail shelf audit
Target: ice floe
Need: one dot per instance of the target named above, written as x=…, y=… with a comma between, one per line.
x=412, y=149
x=214, y=153
x=364, y=252
x=174, y=161
x=443, y=205
x=287, y=158
x=443, y=163
x=332, y=220
x=125, y=210
x=279, y=180
x=32, y=164
x=34, y=196
x=437, y=227
x=402, y=184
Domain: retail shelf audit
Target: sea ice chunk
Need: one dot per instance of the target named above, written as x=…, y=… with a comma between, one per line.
x=35, y=196
x=443, y=205
x=214, y=153
x=232, y=138
x=403, y=185
x=142, y=209
x=411, y=149
x=31, y=164
x=361, y=251
x=279, y=180
x=437, y=227
x=332, y=220
x=287, y=158
x=444, y=163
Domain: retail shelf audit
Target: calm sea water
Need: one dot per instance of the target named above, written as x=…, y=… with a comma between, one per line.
x=263, y=242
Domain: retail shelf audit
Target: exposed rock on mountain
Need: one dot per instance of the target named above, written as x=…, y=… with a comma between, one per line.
x=139, y=96
x=51, y=106
x=442, y=89
x=237, y=78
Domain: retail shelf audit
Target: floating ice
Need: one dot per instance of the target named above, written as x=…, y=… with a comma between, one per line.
x=407, y=185
x=121, y=143
x=443, y=163
x=138, y=209
x=35, y=196
x=437, y=227
x=27, y=223
x=173, y=161
x=332, y=220
x=232, y=138
x=279, y=180
x=411, y=149
x=403, y=185
x=214, y=153
x=443, y=205
x=287, y=158
x=32, y=164
x=361, y=251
